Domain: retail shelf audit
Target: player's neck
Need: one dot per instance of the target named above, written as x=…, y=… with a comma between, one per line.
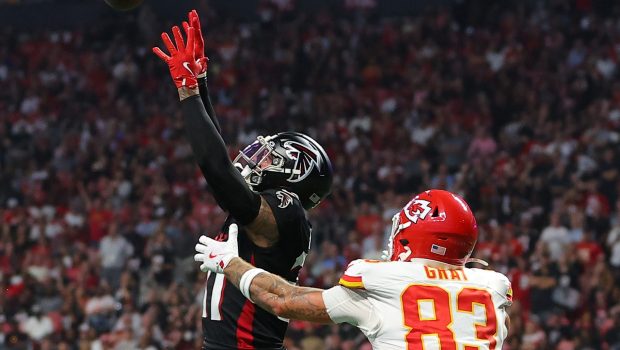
x=435, y=263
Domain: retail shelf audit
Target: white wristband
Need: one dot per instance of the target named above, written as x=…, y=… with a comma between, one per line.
x=246, y=281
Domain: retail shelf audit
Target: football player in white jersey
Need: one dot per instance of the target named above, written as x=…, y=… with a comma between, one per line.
x=422, y=298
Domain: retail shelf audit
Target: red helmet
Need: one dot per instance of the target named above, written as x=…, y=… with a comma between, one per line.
x=436, y=225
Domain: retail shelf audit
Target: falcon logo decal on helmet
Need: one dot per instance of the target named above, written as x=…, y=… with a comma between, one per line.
x=287, y=161
x=305, y=160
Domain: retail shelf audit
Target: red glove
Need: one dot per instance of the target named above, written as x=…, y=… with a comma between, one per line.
x=182, y=61
x=199, y=43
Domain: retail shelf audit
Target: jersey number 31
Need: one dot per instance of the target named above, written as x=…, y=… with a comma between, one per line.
x=438, y=316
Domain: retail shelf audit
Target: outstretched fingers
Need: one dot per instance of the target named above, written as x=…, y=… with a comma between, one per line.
x=201, y=248
x=161, y=54
x=193, y=17
x=190, y=40
x=168, y=42
x=178, y=38
x=205, y=240
x=194, y=22
x=186, y=28
x=233, y=231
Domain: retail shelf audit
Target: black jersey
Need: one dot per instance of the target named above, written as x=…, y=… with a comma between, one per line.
x=229, y=320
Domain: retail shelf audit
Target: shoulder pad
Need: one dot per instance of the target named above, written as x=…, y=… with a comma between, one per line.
x=500, y=283
x=361, y=272
x=352, y=276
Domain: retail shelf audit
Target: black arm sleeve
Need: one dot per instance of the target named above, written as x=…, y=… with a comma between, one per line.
x=229, y=189
x=206, y=101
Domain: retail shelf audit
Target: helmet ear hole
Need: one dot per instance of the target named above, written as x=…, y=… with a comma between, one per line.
x=435, y=213
x=404, y=241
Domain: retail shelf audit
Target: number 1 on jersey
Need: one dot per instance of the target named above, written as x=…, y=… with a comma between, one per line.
x=427, y=312
x=216, y=298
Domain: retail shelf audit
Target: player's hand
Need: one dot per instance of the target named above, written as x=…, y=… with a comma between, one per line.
x=215, y=255
x=199, y=42
x=182, y=60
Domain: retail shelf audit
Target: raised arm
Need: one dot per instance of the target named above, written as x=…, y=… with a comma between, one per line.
x=202, y=60
x=206, y=101
x=228, y=186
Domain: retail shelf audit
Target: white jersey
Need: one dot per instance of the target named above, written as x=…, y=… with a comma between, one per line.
x=422, y=304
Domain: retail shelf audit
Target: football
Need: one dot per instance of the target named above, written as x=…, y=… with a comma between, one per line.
x=123, y=5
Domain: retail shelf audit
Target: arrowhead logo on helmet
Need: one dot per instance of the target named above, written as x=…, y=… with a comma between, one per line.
x=417, y=209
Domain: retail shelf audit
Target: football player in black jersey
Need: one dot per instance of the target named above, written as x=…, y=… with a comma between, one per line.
x=266, y=191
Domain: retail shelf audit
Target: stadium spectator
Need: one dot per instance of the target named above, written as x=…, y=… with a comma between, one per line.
x=114, y=251
x=555, y=237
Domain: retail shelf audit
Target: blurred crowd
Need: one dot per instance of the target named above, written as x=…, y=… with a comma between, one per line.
x=515, y=106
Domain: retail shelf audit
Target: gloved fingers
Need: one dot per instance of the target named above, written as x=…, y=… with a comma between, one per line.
x=168, y=42
x=190, y=40
x=194, y=22
x=205, y=240
x=201, y=248
x=193, y=17
x=178, y=38
x=161, y=54
x=233, y=231
x=186, y=28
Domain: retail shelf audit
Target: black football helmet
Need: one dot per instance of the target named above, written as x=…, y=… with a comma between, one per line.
x=290, y=160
